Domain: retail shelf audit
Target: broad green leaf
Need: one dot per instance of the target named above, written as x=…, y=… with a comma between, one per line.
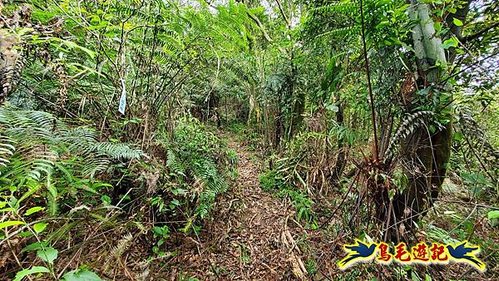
x=86, y=188
x=47, y=254
x=39, y=227
x=86, y=69
x=81, y=275
x=33, y=210
x=458, y=136
x=73, y=45
x=35, y=246
x=457, y=22
x=25, y=272
x=451, y=42
x=493, y=215
x=438, y=26
x=25, y=234
x=10, y=223
x=106, y=199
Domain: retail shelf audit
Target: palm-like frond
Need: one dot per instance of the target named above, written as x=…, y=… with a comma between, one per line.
x=344, y=7
x=6, y=150
x=40, y=140
x=409, y=124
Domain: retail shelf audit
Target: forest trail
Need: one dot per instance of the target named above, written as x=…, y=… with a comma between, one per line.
x=252, y=236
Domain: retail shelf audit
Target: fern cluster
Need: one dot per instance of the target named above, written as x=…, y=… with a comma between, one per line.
x=39, y=141
x=473, y=131
x=338, y=18
x=408, y=125
x=43, y=163
x=198, y=163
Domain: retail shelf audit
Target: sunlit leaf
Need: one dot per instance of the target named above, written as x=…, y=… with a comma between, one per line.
x=457, y=22
x=47, y=254
x=34, y=270
x=10, y=223
x=39, y=227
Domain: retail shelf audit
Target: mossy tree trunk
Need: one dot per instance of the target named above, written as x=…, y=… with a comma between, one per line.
x=426, y=152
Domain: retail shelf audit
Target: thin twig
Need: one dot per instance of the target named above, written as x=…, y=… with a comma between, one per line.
x=369, y=86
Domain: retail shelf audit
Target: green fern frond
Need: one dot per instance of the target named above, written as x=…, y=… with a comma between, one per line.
x=173, y=164
x=410, y=123
x=7, y=149
x=116, y=151
x=343, y=7
x=196, y=158
x=341, y=32
x=40, y=138
x=14, y=118
x=40, y=168
x=76, y=135
x=94, y=165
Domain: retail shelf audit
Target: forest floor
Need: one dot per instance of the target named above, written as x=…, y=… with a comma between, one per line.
x=252, y=237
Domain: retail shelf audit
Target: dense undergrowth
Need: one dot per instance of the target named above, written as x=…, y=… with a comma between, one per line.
x=466, y=211
x=52, y=172
x=49, y=169
x=303, y=173
x=197, y=169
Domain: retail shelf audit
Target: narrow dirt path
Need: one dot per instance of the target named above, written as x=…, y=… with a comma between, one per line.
x=251, y=236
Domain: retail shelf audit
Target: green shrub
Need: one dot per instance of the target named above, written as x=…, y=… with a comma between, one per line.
x=270, y=181
x=199, y=166
x=46, y=164
x=302, y=203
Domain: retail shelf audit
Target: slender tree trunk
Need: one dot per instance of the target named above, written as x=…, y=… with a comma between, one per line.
x=299, y=101
x=10, y=64
x=341, y=156
x=279, y=128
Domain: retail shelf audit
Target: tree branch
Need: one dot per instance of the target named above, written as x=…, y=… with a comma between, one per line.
x=260, y=25
x=283, y=14
x=479, y=33
x=371, y=96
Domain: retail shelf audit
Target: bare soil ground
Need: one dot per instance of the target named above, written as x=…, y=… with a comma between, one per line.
x=252, y=235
